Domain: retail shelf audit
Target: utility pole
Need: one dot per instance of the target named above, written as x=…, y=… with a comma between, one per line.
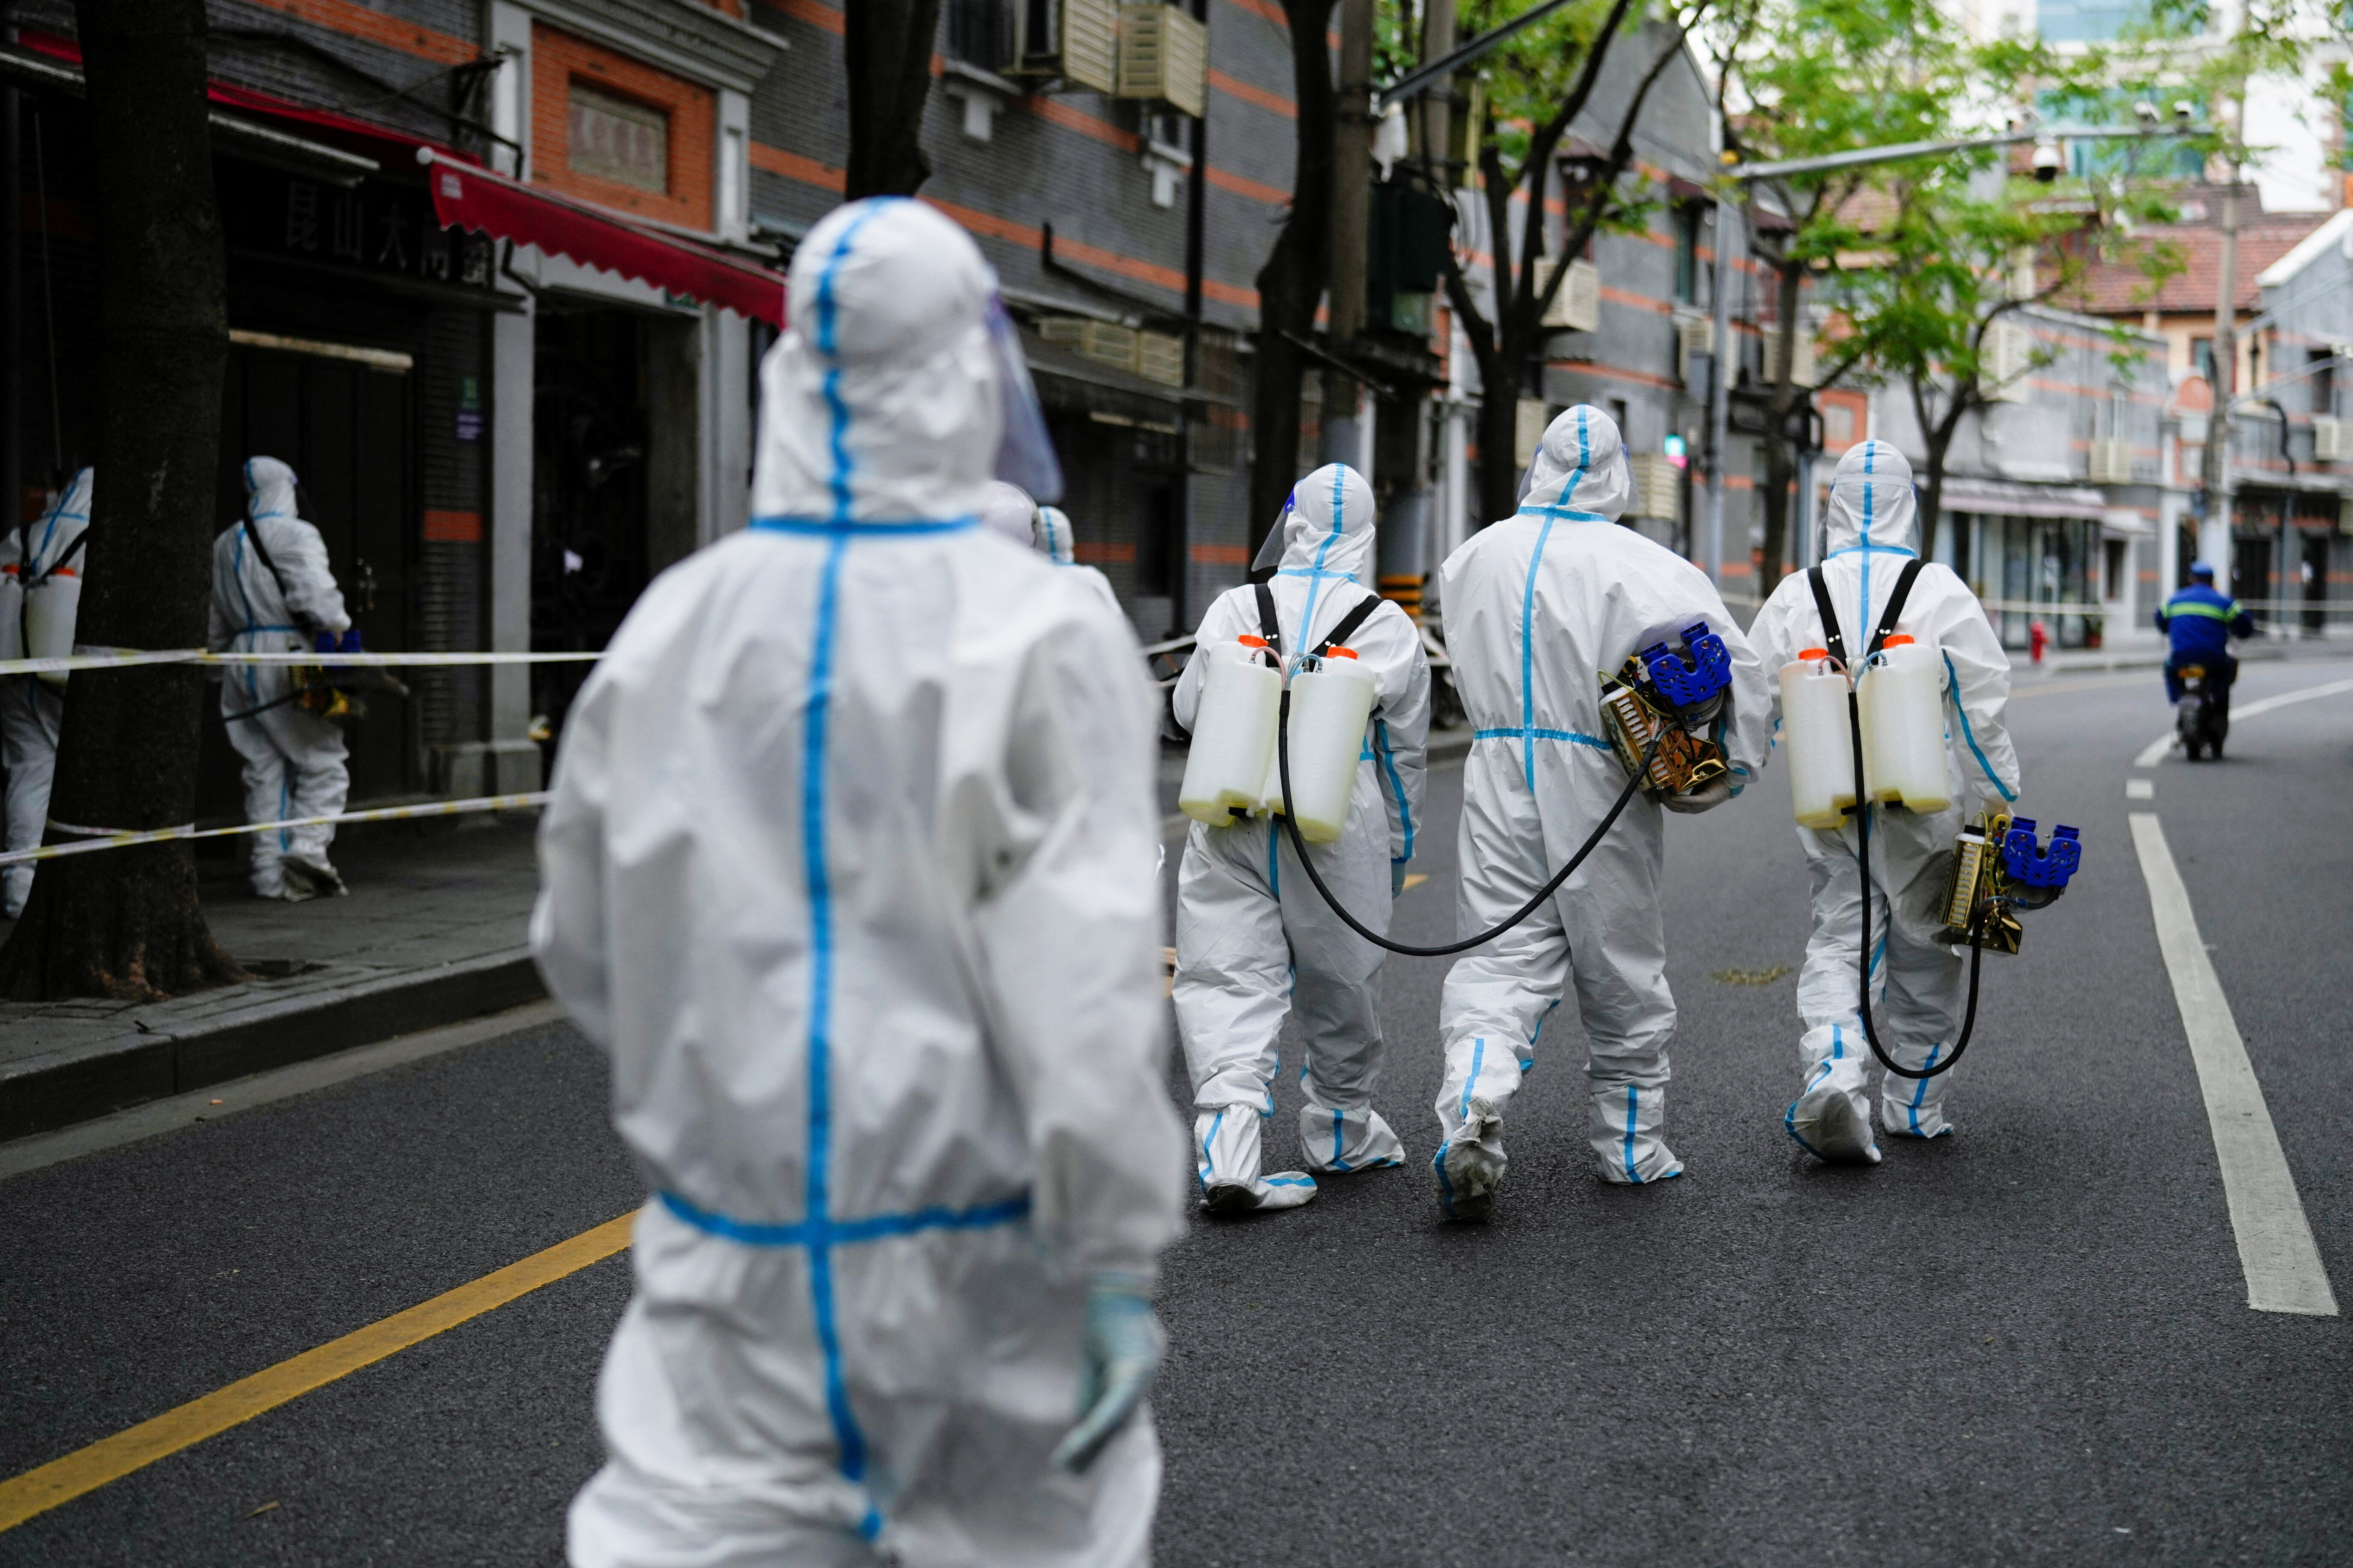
x=1348, y=415
x=1719, y=403
x=1437, y=105
x=2214, y=532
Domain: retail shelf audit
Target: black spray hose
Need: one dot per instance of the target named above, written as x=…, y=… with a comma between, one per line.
x=1282, y=760
x=1861, y=809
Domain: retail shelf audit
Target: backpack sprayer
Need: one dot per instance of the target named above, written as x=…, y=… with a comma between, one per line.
x=1889, y=736
x=1657, y=709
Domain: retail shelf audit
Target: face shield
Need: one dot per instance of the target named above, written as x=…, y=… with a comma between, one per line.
x=1269, y=553
x=1024, y=452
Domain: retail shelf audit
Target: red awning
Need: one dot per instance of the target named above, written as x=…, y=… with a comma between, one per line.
x=468, y=197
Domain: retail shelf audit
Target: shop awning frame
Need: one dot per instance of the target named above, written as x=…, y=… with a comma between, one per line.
x=466, y=195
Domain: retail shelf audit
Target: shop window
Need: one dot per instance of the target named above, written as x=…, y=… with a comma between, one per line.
x=2118, y=552
x=1687, y=218
x=2202, y=358
x=980, y=32
x=614, y=138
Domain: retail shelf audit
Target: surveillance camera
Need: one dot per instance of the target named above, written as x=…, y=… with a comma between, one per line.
x=2183, y=111
x=2047, y=162
x=2146, y=112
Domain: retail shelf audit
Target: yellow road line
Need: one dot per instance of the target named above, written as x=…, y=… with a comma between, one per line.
x=111, y=1458
x=1413, y=879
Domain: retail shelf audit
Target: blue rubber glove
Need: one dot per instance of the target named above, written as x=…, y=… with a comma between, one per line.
x=351, y=643
x=1122, y=1345
x=1397, y=878
x=325, y=643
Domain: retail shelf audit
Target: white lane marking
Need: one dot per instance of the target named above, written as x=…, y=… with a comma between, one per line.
x=217, y=1101
x=2154, y=753
x=2276, y=1252
x=2140, y=789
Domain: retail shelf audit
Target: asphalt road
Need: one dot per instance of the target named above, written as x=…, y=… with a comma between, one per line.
x=2025, y=1343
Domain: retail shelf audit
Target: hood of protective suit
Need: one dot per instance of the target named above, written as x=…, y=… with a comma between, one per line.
x=1581, y=466
x=1007, y=511
x=1327, y=523
x=1872, y=497
x=882, y=403
x=269, y=489
x=1053, y=537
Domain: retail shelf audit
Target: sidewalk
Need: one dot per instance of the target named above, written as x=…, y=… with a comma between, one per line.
x=432, y=932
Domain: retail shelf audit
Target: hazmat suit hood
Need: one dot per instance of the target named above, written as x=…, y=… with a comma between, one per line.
x=1580, y=467
x=1871, y=497
x=269, y=489
x=1007, y=511
x=1053, y=538
x=884, y=401
x=1327, y=524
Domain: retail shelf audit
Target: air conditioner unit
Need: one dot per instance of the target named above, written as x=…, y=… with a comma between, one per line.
x=2332, y=439
x=1163, y=55
x=2008, y=354
x=1801, y=372
x=1577, y=307
x=1105, y=343
x=1160, y=357
x=2111, y=461
x=1695, y=337
x=1076, y=40
x=1527, y=430
x=1657, y=489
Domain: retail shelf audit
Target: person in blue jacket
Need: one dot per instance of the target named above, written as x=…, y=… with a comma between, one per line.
x=2202, y=622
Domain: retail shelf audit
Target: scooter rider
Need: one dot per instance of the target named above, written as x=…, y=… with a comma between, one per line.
x=1537, y=606
x=1872, y=536
x=2199, y=622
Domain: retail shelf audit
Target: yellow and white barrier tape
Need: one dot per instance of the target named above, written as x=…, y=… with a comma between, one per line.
x=102, y=840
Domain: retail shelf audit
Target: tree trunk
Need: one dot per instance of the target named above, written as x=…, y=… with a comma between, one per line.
x=887, y=54
x=1780, y=452
x=125, y=923
x=1297, y=270
x=1499, y=435
x=1781, y=472
x=1932, y=504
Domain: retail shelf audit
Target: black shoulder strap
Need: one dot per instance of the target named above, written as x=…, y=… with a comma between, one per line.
x=1348, y=623
x=1269, y=627
x=1831, y=638
x=1904, y=582
x=64, y=555
x=262, y=550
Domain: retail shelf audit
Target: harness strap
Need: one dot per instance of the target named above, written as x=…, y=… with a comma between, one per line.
x=1348, y=624
x=1269, y=627
x=1831, y=636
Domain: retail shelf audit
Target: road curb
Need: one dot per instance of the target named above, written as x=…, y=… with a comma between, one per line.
x=43, y=1093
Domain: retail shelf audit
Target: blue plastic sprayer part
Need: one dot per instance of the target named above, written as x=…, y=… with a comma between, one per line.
x=1689, y=685
x=2032, y=866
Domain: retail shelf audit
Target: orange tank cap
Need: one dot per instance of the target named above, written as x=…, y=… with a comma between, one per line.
x=1897, y=639
x=1813, y=653
x=1342, y=652
x=1249, y=641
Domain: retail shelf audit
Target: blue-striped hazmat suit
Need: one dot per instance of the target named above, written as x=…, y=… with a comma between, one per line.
x=1871, y=530
x=42, y=557
x=1538, y=606
x=1254, y=941
x=848, y=869
x=294, y=760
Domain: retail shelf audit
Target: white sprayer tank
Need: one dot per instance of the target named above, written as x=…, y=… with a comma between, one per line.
x=1819, y=735
x=1330, y=707
x=1901, y=697
x=49, y=611
x=1233, y=734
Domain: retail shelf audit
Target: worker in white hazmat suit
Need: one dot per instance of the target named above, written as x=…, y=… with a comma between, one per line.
x=1254, y=941
x=1008, y=511
x=42, y=559
x=848, y=867
x=1537, y=607
x=1871, y=530
x=1058, y=542
x=273, y=592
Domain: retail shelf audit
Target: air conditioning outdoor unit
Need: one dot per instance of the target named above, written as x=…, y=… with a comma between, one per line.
x=2332, y=439
x=1527, y=430
x=1694, y=337
x=2111, y=461
x=1163, y=55
x=1657, y=489
x=1105, y=343
x=1160, y=357
x=2008, y=354
x=1077, y=40
x=1801, y=372
x=1577, y=307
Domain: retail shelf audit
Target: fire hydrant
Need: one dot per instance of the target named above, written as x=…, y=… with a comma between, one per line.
x=2036, y=637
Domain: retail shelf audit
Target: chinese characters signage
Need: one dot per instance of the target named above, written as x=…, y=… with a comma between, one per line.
x=377, y=228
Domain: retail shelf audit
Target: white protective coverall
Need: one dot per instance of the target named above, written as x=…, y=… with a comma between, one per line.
x=1253, y=938
x=1872, y=530
x=293, y=759
x=1537, y=606
x=1053, y=537
x=848, y=869
x=30, y=707
x=1008, y=511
